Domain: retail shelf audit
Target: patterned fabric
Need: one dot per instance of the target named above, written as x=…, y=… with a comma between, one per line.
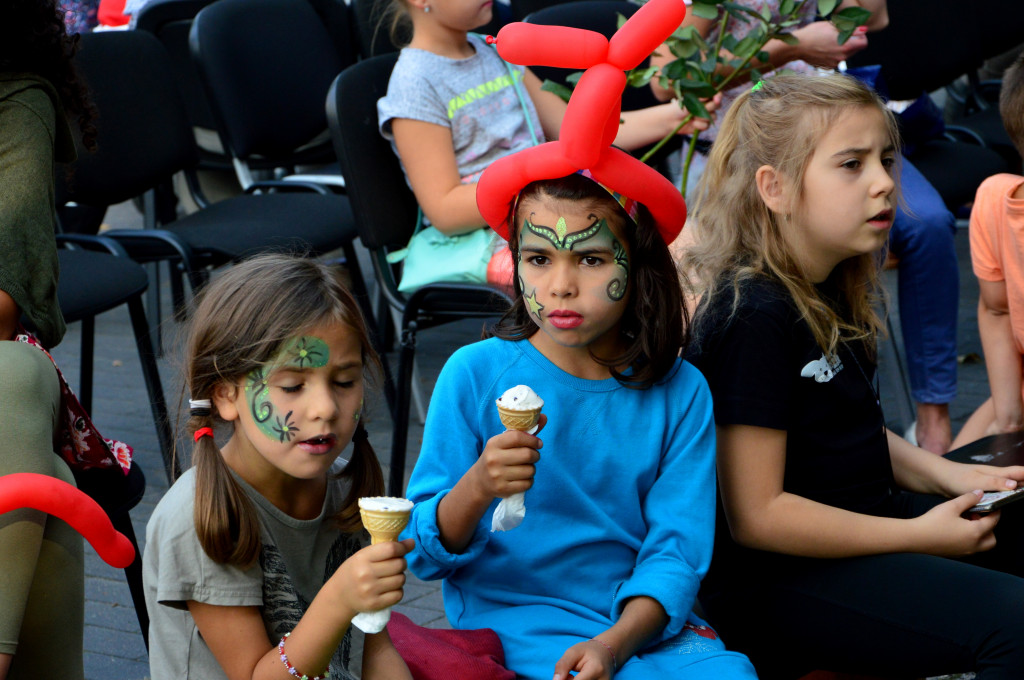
x=284, y=606
x=79, y=15
x=81, y=445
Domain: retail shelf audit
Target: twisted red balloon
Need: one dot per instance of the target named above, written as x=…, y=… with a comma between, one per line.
x=60, y=499
x=592, y=118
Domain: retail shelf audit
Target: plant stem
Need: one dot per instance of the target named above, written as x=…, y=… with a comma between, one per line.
x=686, y=163
x=664, y=140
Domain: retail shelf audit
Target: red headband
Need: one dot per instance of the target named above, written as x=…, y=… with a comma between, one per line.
x=592, y=118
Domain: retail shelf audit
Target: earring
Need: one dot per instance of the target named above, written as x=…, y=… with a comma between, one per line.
x=426, y=9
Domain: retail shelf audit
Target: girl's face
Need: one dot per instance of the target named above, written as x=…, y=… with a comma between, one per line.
x=574, y=272
x=846, y=208
x=294, y=416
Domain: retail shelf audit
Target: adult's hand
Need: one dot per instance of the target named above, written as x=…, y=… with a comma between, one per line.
x=819, y=44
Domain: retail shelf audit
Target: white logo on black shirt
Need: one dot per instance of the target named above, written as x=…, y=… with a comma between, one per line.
x=823, y=369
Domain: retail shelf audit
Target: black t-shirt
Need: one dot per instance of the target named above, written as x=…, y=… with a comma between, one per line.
x=765, y=369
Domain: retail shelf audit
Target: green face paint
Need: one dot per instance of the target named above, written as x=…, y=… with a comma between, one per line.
x=305, y=351
x=558, y=237
x=617, y=286
x=598, y=234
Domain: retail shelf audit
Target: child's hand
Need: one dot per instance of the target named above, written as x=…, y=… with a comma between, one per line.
x=506, y=465
x=945, y=532
x=677, y=113
x=372, y=578
x=984, y=477
x=819, y=44
x=589, y=659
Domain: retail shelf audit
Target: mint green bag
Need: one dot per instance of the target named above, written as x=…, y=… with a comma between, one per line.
x=433, y=257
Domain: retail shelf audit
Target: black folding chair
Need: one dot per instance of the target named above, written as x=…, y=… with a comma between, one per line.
x=145, y=137
x=385, y=213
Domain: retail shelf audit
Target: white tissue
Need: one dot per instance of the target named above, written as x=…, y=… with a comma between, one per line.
x=372, y=622
x=510, y=512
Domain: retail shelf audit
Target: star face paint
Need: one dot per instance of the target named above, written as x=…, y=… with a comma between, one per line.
x=573, y=270
x=305, y=351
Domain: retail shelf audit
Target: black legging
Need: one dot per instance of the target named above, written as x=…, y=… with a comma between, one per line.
x=902, y=614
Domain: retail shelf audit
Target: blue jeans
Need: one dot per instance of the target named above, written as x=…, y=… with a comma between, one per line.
x=929, y=287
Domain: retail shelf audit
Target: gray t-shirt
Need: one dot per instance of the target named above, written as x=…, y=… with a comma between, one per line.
x=474, y=97
x=298, y=556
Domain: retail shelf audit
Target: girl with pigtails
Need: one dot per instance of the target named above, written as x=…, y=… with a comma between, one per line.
x=255, y=562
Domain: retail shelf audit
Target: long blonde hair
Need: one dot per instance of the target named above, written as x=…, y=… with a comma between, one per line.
x=737, y=237
x=242, y=320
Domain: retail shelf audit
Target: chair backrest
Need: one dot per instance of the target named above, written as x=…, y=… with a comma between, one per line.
x=930, y=43
x=170, y=21
x=144, y=135
x=384, y=206
x=524, y=8
x=266, y=66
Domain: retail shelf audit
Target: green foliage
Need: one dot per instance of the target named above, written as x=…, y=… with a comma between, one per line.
x=699, y=70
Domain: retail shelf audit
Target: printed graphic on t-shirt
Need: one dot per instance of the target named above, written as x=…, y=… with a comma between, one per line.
x=823, y=369
x=283, y=606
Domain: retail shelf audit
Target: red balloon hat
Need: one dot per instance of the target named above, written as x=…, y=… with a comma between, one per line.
x=591, y=119
x=60, y=499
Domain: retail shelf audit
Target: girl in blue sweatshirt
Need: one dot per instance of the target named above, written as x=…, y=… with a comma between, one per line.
x=601, y=576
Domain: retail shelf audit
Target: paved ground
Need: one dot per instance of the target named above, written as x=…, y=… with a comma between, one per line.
x=113, y=643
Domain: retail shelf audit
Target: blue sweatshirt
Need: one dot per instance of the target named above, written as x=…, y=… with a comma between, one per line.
x=623, y=501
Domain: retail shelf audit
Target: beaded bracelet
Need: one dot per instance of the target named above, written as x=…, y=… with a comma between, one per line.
x=303, y=676
x=615, y=663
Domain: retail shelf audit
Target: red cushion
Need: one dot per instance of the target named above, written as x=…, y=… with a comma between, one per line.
x=437, y=654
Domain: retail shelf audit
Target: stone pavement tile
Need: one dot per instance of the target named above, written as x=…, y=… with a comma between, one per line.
x=99, y=666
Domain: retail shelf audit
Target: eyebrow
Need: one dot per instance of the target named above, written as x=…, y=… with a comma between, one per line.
x=856, y=151
x=305, y=369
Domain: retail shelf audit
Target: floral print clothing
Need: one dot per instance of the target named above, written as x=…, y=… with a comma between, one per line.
x=81, y=444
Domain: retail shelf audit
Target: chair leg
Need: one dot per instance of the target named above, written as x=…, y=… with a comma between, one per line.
x=86, y=363
x=151, y=375
x=133, y=574
x=400, y=429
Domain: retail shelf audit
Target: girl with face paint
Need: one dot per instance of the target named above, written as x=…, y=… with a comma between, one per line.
x=255, y=561
x=601, y=576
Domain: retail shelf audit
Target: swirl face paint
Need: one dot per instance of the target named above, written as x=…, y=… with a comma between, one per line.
x=305, y=351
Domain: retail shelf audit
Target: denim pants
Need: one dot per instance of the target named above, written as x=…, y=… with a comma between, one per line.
x=929, y=287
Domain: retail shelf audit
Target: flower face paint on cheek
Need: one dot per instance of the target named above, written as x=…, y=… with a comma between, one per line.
x=302, y=352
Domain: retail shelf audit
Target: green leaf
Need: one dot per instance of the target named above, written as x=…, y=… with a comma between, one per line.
x=684, y=49
x=620, y=20
x=755, y=75
x=747, y=47
x=788, y=38
x=825, y=7
x=740, y=10
x=675, y=70
x=786, y=7
x=702, y=90
x=559, y=89
x=574, y=78
x=640, y=77
x=858, y=15
x=694, y=105
x=704, y=11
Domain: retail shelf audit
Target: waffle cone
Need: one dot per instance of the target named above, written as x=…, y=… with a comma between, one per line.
x=384, y=525
x=518, y=419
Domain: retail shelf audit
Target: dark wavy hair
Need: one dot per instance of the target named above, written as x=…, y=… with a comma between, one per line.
x=33, y=39
x=655, y=325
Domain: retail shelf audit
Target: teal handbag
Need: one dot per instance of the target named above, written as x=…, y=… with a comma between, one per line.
x=434, y=257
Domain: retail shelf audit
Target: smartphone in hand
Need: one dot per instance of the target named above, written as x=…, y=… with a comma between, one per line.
x=993, y=500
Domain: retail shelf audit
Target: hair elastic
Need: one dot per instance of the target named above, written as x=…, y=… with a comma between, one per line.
x=200, y=407
x=203, y=432
x=360, y=435
x=291, y=668
x=757, y=86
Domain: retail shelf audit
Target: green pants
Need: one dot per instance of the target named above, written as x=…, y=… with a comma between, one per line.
x=42, y=573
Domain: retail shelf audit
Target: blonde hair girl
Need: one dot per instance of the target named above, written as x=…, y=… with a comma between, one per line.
x=834, y=527
x=262, y=537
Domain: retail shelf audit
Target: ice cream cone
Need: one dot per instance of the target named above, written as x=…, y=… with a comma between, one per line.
x=384, y=518
x=517, y=419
